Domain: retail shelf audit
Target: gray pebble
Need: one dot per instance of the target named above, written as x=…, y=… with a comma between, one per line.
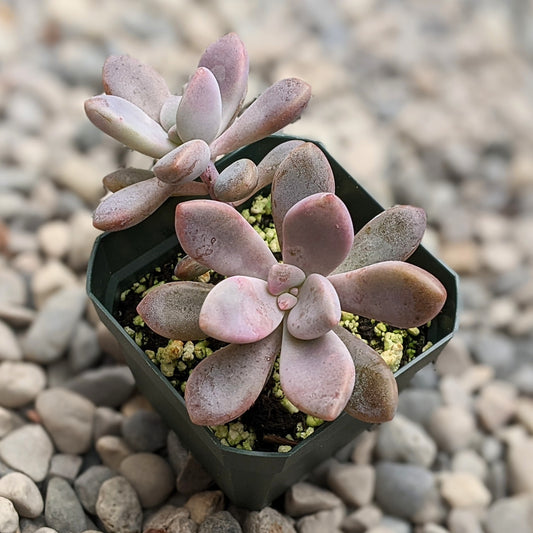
x=455, y=358
x=522, y=378
x=63, y=510
x=329, y=520
x=469, y=461
x=84, y=351
x=118, y=506
x=354, y=484
x=494, y=350
x=520, y=466
x=510, y=514
x=144, y=431
x=20, y=382
x=112, y=450
x=362, y=519
x=452, y=428
x=107, y=421
x=220, y=522
x=497, y=480
x=464, y=521
x=65, y=465
x=8, y=421
x=395, y=525
x=418, y=404
x=88, y=484
x=9, y=518
x=304, y=498
x=29, y=450
x=10, y=349
x=12, y=287
x=24, y=494
x=68, y=417
x=267, y=520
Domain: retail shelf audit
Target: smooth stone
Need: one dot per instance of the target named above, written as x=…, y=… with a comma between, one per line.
x=84, y=351
x=452, y=428
x=50, y=530
x=454, y=359
x=514, y=514
x=476, y=377
x=177, y=453
x=17, y=316
x=12, y=287
x=402, y=440
x=87, y=485
x=20, y=383
x=220, y=522
x=464, y=521
x=354, y=484
x=10, y=349
x=144, y=431
x=108, y=386
x=83, y=235
x=29, y=450
x=523, y=379
x=118, y=506
x=362, y=519
x=151, y=477
x=62, y=509
x=303, y=498
x=169, y=518
x=524, y=413
x=395, y=525
x=402, y=490
x=9, y=518
x=520, y=466
x=495, y=350
x=453, y=392
x=47, y=338
x=50, y=278
x=23, y=492
x=68, y=417
x=496, y=404
x=268, y=520
x=469, y=461
x=65, y=465
x=329, y=520
x=107, y=421
x=9, y=420
x=364, y=446
x=204, y=504
x=112, y=450
x=462, y=489
x=193, y=477
x=418, y=404
x=54, y=238
x=491, y=449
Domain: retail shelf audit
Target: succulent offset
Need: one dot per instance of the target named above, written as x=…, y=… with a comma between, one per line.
x=186, y=133
x=264, y=308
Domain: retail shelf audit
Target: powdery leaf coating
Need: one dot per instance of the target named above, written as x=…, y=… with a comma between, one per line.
x=317, y=375
x=184, y=163
x=398, y=293
x=393, y=235
x=123, y=177
x=130, y=205
x=236, y=181
x=304, y=171
x=375, y=393
x=172, y=309
x=318, y=309
x=317, y=233
x=282, y=277
x=167, y=115
x=128, y=124
x=226, y=384
x=228, y=60
x=132, y=80
x=217, y=236
x=188, y=269
x=189, y=188
x=240, y=310
x=281, y=104
x=199, y=112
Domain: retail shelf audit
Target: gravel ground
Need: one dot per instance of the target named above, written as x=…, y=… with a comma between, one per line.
x=426, y=103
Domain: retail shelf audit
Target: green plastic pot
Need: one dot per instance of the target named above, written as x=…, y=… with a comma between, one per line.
x=249, y=479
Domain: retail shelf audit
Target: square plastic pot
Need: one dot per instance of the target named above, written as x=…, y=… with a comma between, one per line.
x=249, y=479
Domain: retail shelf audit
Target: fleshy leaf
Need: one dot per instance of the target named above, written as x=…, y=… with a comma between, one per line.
x=217, y=236
x=317, y=375
x=227, y=59
x=318, y=309
x=172, y=309
x=278, y=106
x=282, y=277
x=123, y=177
x=303, y=172
x=240, y=310
x=227, y=383
x=189, y=269
x=129, y=206
x=143, y=86
x=184, y=163
x=128, y=124
x=189, y=188
x=199, y=112
x=317, y=233
x=167, y=116
x=393, y=235
x=398, y=293
x=236, y=181
x=375, y=393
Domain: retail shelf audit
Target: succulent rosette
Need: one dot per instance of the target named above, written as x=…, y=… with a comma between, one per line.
x=265, y=308
x=186, y=133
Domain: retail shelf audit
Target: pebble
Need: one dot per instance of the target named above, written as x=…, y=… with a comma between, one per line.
x=520, y=466
x=418, y=404
x=68, y=417
x=514, y=514
x=462, y=489
x=51, y=277
x=23, y=492
x=151, y=477
x=455, y=359
x=20, y=383
x=524, y=413
x=63, y=510
x=464, y=521
x=495, y=350
x=204, y=504
x=329, y=520
x=84, y=350
x=83, y=235
x=8, y=421
x=169, y=518
x=10, y=349
x=9, y=518
x=112, y=450
x=144, y=431
x=362, y=519
x=54, y=238
x=192, y=477
x=118, y=506
x=267, y=520
x=65, y=465
x=496, y=404
x=452, y=428
x=29, y=450
x=354, y=484
x=303, y=498
x=220, y=522
x=469, y=461
x=12, y=287
x=453, y=392
x=107, y=421
x=87, y=485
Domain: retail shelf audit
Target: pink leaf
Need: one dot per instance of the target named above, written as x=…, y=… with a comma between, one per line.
x=172, y=309
x=375, y=393
x=189, y=188
x=184, y=163
x=317, y=233
x=128, y=124
x=282, y=277
x=200, y=108
x=236, y=181
x=132, y=80
x=393, y=235
x=189, y=269
x=217, y=236
x=123, y=177
x=400, y=294
x=167, y=115
x=318, y=309
x=240, y=310
x=130, y=205
x=228, y=61
x=278, y=106
x=227, y=383
x=317, y=375
x=304, y=171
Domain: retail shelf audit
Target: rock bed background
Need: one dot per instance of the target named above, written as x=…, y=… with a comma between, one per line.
x=426, y=103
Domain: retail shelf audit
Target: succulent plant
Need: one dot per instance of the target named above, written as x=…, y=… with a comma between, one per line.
x=265, y=308
x=185, y=134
